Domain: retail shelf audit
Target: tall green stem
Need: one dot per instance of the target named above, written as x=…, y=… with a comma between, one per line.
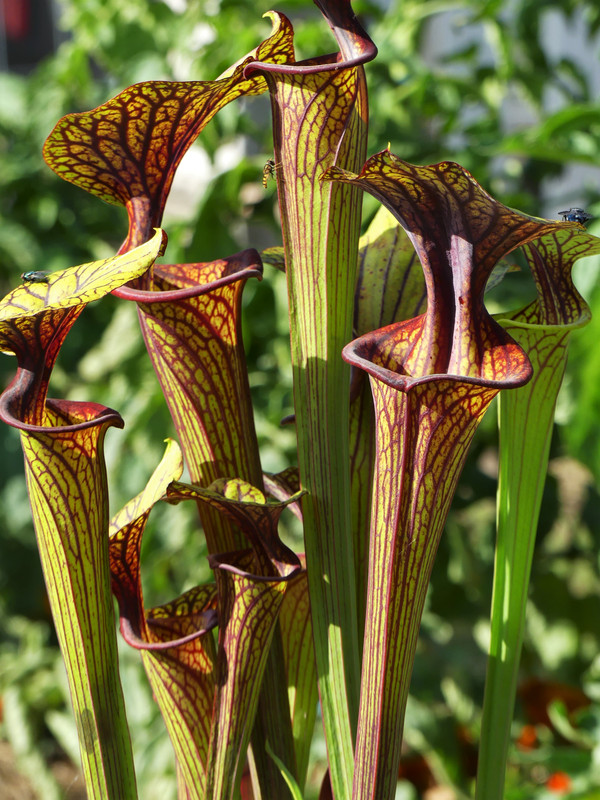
x=525, y=418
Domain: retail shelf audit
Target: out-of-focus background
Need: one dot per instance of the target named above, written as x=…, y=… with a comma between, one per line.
x=509, y=89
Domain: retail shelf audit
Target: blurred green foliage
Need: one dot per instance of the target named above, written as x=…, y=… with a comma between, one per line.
x=481, y=83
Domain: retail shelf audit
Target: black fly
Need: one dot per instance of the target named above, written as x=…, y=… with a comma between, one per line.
x=576, y=215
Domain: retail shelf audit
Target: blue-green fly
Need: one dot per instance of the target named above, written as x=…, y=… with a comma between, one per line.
x=35, y=276
x=576, y=215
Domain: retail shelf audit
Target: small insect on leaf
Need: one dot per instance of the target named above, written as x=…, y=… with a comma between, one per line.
x=35, y=276
x=575, y=215
x=269, y=171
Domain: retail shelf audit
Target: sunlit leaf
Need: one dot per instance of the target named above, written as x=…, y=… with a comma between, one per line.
x=66, y=481
x=319, y=119
x=459, y=232
x=66, y=478
x=35, y=319
x=191, y=323
x=211, y=695
x=127, y=150
x=543, y=329
x=432, y=379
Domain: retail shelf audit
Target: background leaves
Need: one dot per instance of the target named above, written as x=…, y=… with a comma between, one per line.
x=431, y=100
